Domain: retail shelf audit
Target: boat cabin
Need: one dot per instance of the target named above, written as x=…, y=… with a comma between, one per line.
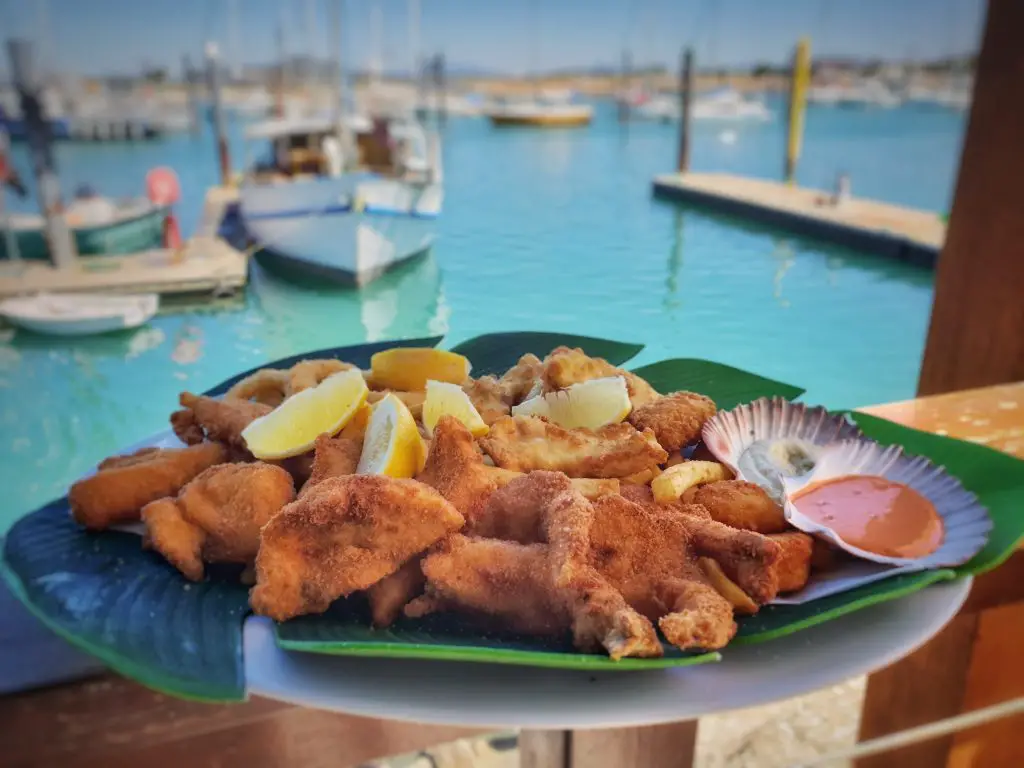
x=393, y=148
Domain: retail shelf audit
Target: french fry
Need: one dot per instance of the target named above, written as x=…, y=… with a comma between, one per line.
x=642, y=477
x=594, y=488
x=740, y=600
x=670, y=484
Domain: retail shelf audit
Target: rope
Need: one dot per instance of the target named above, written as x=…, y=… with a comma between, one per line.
x=922, y=733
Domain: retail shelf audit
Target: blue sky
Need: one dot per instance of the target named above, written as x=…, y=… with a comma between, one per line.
x=108, y=36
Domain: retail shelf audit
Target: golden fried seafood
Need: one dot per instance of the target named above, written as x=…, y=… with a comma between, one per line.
x=412, y=400
x=741, y=602
x=487, y=397
x=744, y=505
x=344, y=535
x=794, y=565
x=392, y=593
x=267, y=385
x=217, y=517
x=123, y=485
x=306, y=374
x=564, y=367
x=221, y=421
x=526, y=443
x=456, y=468
x=521, y=380
x=333, y=457
x=676, y=419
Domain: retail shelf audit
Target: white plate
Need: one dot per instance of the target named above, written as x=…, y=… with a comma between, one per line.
x=491, y=695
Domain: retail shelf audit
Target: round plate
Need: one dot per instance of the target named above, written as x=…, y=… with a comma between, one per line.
x=484, y=695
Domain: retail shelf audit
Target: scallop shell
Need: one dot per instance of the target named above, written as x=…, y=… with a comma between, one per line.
x=770, y=439
x=966, y=522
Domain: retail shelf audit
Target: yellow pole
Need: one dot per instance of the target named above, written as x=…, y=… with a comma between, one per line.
x=797, y=105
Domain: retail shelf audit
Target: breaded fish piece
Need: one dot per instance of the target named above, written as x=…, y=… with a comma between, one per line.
x=794, y=564
x=564, y=367
x=392, y=593
x=217, y=517
x=456, y=468
x=344, y=535
x=333, y=457
x=487, y=397
x=740, y=504
x=526, y=443
x=547, y=587
x=123, y=485
x=676, y=419
x=522, y=379
x=222, y=421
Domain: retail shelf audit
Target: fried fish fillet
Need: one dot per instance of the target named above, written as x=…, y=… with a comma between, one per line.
x=564, y=367
x=522, y=380
x=676, y=419
x=740, y=504
x=217, y=517
x=221, y=421
x=392, y=593
x=123, y=485
x=487, y=397
x=526, y=443
x=344, y=535
x=547, y=587
x=333, y=457
x=456, y=468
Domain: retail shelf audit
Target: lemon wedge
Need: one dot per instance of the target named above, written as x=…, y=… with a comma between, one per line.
x=392, y=445
x=292, y=427
x=446, y=399
x=590, y=404
x=409, y=368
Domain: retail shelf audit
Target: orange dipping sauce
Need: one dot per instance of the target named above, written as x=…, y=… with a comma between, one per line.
x=874, y=514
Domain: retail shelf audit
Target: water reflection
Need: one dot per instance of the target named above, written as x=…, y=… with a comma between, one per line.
x=784, y=255
x=675, y=261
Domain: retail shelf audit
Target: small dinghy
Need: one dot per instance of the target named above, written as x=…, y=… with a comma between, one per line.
x=79, y=314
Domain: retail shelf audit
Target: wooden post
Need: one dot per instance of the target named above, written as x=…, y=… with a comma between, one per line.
x=442, y=89
x=799, y=78
x=213, y=74
x=28, y=82
x=627, y=66
x=976, y=336
x=685, y=97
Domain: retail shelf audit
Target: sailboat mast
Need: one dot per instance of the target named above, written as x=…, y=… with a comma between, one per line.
x=375, y=41
x=339, y=80
x=414, y=39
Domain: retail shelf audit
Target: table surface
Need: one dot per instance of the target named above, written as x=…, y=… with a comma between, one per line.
x=992, y=416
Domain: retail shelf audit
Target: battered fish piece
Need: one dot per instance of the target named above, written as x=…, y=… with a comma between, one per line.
x=508, y=585
x=540, y=588
x=123, y=485
x=794, y=564
x=217, y=517
x=456, y=468
x=392, y=593
x=676, y=419
x=564, y=367
x=740, y=504
x=522, y=380
x=221, y=421
x=526, y=443
x=333, y=457
x=344, y=535
x=488, y=398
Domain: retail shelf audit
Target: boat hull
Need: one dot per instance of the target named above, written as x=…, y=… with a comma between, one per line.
x=138, y=233
x=346, y=230
x=540, y=121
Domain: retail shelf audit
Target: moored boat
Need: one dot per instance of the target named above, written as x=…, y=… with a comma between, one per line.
x=79, y=314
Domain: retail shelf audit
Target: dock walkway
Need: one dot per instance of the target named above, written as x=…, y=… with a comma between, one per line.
x=204, y=264
x=890, y=230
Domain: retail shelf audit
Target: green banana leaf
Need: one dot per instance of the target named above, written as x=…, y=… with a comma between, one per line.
x=495, y=353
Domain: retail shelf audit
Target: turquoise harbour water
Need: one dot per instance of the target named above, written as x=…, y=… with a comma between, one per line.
x=553, y=230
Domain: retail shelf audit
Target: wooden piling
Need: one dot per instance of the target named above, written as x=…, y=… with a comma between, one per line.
x=442, y=89
x=192, y=99
x=799, y=80
x=627, y=67
x=685, y=97
x=213, y=74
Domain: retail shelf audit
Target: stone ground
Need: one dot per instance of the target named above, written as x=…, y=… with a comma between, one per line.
x=783, y=734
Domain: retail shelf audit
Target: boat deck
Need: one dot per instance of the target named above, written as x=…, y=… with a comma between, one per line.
x=204, y=264
x=890, y=230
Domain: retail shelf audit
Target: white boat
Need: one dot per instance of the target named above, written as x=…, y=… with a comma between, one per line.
x=866, y=94
x=350, y=214
x=539, y=113
x=725, y=105
x=79, y=314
